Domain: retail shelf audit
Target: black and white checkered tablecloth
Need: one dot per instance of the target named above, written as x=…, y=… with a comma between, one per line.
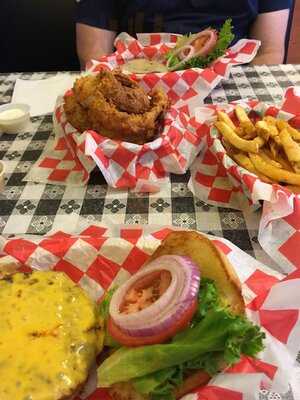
x=39, y=208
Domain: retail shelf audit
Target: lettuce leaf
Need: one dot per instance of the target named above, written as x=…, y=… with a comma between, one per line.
x=215, y=337
x=208, y=335
x=103, y=311
x=225, y=37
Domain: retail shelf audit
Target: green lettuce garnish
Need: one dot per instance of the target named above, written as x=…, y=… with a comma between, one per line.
x=214, y=338
x=103, y=315
x=225, y=37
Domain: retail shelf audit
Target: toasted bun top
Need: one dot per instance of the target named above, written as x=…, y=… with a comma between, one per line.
x=212, y=264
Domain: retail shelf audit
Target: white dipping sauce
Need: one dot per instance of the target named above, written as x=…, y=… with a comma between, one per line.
x=12, y=113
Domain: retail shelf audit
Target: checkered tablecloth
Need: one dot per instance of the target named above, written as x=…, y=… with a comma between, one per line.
x=39, y=208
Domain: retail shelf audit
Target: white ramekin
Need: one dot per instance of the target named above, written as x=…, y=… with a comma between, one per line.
x=14, y=125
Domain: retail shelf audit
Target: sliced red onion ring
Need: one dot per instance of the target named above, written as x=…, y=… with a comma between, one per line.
x=169, y=308
x=190, y=53
x=208, y=45
x=180, y=54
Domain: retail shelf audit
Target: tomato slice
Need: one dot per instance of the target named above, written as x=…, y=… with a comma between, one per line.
x=197, y=44
x=200, y=42
x=133, y=341
x=192, y=382
x=146, y=291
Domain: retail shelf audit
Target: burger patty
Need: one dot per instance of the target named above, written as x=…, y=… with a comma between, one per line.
x=49, y=336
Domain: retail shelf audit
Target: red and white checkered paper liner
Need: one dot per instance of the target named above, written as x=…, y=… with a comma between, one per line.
x=63, y=161
x=186, y=89
x=218, y=180
x=101, y=257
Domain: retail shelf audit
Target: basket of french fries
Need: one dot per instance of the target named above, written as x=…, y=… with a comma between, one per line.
x=267, y=146
x=251, y=156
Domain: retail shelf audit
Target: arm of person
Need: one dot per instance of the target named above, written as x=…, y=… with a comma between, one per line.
x=96, y=26
x=92, y=42
x=270, y=28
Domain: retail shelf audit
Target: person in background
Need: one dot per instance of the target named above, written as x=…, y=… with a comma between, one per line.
x=99, y=21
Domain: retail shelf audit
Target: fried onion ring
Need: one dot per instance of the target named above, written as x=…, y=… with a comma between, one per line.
x=77, y=115
x=116, y=106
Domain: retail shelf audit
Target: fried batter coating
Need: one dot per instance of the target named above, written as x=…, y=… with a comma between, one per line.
x=134, y=100
x=135, y=128
x=119, y=90
x=76, y=114
x=115, y=106
x=123, y=92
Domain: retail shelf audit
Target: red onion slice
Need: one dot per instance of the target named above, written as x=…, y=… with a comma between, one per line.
x=180, y=54
x=190, y=52
x=169, y=308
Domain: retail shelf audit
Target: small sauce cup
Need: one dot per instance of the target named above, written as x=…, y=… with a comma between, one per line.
x=14, y=117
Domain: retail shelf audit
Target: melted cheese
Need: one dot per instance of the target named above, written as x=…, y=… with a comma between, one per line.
x=49, y=336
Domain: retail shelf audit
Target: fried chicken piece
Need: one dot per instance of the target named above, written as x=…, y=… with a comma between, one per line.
x=115, y=106
x=76, y=114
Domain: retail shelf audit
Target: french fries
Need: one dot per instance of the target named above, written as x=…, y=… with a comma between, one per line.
x=266, y=130
x=222, y=116
x=278, y=174
x=291, y=148
x=284, y=162
x=240, y=143
x=274, y=149
x=244, y=161
x=245, y=121
x=270, y=120
x=281, y=124
x=295, y=134
x=264, y=154
x=277, y=140
x=268, y=148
